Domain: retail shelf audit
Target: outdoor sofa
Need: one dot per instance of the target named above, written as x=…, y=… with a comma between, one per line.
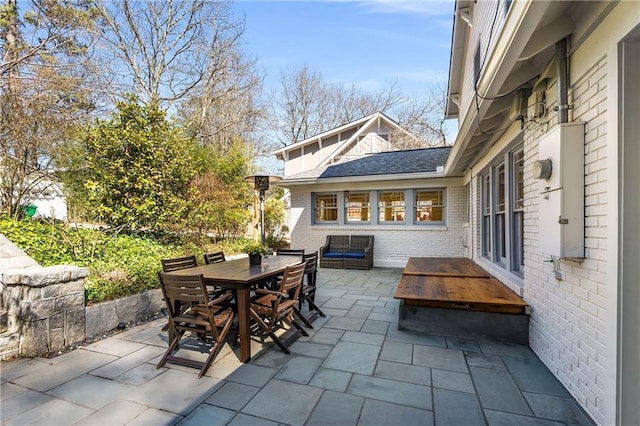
x=347, y=252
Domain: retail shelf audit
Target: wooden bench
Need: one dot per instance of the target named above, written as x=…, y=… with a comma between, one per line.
x=454, y=296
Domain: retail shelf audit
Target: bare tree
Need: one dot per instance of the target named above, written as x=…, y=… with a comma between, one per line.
x=308, y=105
x=186, y=55
x=423, y=118
x=226, y=106
x=45, y=91
x=165, y=49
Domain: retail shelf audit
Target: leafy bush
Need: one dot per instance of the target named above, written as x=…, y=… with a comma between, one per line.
x=121, y=264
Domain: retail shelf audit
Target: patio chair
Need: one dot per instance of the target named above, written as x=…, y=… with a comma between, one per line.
x=308, y=291
x=271, y=310
x=216, y=257
x=169, y=265
x=175, y=264
x=274, y=284
x=208, y=319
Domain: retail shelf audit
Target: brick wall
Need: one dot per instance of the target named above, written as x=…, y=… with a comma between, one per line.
x=569, y=321
x=393, y=244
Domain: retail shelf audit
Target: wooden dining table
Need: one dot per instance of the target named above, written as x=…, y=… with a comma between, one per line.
x=237, y=274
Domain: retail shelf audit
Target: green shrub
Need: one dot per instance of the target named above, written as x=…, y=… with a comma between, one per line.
x=121, y=264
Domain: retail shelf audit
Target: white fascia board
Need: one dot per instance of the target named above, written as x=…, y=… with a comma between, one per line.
x=513, y=39
x=323, y=135
x=458, y=40
x=343, y=144
x=368, y=178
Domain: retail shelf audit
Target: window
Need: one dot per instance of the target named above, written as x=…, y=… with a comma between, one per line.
x=500, y=215
x=429, y=206
x=391, y=207
x=517, y=223
x=476, y=65
x=502, y=208
x=326, y=208
x=486, y=215
x=507, y=6
x=356, y=206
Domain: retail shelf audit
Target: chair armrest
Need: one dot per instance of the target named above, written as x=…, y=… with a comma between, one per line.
x=217, y=301
x=266, y=291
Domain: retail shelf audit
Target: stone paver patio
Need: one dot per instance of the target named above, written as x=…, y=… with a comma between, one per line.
x=355, y=368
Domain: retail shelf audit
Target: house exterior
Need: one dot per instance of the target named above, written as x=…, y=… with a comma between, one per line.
x=548, y=105
x=50, y=201
x=354, y=180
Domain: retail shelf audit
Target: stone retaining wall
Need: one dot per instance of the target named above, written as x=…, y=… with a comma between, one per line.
x=42, y=309
x=44, y=306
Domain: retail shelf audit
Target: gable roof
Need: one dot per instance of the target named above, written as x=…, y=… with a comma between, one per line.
x=362, y=124
x=413, y=163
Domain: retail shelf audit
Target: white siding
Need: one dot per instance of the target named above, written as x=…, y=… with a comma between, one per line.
x=485, y=31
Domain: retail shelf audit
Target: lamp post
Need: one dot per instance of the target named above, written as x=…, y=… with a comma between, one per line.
x=261, y=183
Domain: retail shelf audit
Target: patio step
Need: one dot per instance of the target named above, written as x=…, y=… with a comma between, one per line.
x=454, y=296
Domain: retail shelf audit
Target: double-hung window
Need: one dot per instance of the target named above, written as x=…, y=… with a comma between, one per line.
x=517, y=223
x=429, y=206
x=326, y=208
x=391, y=207
x=502, y=212
x=356, y=206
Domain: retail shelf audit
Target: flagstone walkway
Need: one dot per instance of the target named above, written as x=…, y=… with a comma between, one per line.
x=355, y=368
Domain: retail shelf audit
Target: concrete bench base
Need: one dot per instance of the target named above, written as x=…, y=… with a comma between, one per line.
x=507, y=328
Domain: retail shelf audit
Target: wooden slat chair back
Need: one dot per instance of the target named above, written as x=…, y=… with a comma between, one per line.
x=202, y=316
x=175, y=264
x=169, y=265
x=290, y=252
x=308, y=290
x=272, y=309
x=216, y=257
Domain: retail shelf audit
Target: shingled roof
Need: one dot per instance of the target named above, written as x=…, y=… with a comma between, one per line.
x=426, y=160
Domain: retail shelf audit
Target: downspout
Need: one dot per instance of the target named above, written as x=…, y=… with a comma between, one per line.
x=563, y=77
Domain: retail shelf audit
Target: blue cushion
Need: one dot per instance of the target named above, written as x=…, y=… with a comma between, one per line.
x=349, y=255
x=334, y=255
x=353, y=255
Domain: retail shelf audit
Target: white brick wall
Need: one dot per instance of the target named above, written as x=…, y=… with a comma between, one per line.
x=393, y=244
x=569, y=319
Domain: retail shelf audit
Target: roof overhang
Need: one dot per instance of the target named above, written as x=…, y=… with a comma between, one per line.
x=282, y=152
x=287, y=183
x=521, y=58
x=461, y=24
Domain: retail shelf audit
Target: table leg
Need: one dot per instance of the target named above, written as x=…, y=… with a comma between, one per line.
x=244, y=323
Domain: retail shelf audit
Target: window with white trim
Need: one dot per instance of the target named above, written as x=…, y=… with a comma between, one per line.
x=502, y=211
x=517, y=223
x=429, y=206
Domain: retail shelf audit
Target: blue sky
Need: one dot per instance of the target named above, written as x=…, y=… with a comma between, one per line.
x=370, y=43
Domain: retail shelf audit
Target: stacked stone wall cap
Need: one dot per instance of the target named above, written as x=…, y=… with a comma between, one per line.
x=13, y=257
x=42, y=276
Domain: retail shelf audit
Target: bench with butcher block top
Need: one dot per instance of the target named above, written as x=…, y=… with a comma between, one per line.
x=454, y=296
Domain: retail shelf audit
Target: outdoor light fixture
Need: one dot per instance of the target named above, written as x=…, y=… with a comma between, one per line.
x=261, y=183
